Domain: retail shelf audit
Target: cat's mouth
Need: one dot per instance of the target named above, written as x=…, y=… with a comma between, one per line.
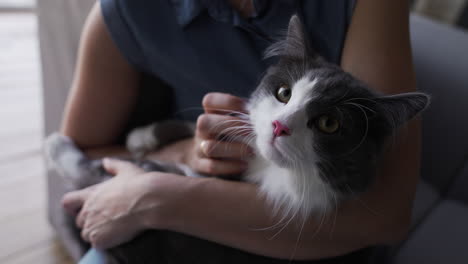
x=277, y=154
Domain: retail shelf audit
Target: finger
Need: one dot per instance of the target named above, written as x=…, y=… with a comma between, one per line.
x=81, y=219
x=225, y=150
x=115, y=166
x=212, y=126
x=85, y=234
x=220, y=167
x=221, y=103
x=101, y=239
x=108, y=236
x=73, y=201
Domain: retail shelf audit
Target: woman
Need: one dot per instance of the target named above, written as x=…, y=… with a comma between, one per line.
x=206, y=46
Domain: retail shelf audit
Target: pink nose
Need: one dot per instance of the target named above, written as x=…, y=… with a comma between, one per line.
x=280, y=129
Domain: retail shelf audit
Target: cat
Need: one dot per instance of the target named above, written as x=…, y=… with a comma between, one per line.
x=318, y=135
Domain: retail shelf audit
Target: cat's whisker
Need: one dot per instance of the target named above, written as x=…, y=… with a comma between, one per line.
x=233, y=135
x=365, y=132
x=361, y=98
x=230, y=112
x=227, y=112
x=360, y=105
x=293, y=215
x=362, y=202
x=335, y=215
x=228, y=122
x=322, y=220
x=344, y=95
x=340, y=112
x=298, y=210
x=279, y=223
x=325, y=211
x=187, y=110
x=284, y=221
x=243, y=126
x=298, y=239
x=238, y=113
x=249, y=139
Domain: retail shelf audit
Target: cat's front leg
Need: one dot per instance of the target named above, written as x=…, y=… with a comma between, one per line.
x=145, y=139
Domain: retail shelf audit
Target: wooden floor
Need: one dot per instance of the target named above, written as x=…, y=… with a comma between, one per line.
x=24, y=231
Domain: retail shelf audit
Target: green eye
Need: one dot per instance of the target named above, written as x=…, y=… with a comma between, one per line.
x=328, y=124
x=283, y=94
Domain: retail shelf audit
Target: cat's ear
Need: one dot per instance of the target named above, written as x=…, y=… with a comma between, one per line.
x=401, y=108
x=295, y=44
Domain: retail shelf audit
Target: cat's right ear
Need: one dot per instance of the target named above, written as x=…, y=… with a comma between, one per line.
x=401, y=108
x=294, y=45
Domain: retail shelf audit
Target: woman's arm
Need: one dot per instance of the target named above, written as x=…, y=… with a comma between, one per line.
x=377, y=50
x=104, y=89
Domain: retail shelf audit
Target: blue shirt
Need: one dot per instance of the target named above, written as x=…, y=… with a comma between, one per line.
x=201, y=46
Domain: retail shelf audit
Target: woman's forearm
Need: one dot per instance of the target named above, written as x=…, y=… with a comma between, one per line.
x=234, y=214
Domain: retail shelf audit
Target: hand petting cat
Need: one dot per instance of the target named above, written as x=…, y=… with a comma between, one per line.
x=115, y=211
x=214, y=149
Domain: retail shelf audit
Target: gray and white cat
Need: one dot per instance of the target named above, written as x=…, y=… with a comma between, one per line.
x=318, y=134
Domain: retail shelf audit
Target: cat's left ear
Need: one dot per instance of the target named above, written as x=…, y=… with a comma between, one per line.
x=295, y=44
x=401, y=108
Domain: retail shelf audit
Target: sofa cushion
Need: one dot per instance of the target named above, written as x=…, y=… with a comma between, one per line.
x=441, y=64
x=459, y=189
x=441, y=238
x=426, y=197
x=62, y=222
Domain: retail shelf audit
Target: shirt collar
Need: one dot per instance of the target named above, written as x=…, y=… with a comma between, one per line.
x=188, y=10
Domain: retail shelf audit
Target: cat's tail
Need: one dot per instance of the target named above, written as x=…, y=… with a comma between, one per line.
x=63, y=156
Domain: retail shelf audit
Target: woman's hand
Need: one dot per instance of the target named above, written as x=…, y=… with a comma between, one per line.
x=216, y=149
x=113, y=212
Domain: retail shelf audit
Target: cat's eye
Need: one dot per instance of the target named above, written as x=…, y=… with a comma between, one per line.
x=283, y=94
x=328, y=124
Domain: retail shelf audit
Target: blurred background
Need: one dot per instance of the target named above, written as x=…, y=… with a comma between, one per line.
x=28, y=112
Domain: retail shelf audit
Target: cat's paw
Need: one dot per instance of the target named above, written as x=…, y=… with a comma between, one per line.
x=54, y=146
x=142, y=140
x=63, y=156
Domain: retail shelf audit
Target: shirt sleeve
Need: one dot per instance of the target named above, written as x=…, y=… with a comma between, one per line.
x=116, y=19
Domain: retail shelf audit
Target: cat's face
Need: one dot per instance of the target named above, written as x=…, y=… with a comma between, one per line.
x=318, y=119
x=310, y=116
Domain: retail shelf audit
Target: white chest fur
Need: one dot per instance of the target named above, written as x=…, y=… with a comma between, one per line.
x=300, y=191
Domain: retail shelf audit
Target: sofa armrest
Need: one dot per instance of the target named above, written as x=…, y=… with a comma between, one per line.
x=60, y=23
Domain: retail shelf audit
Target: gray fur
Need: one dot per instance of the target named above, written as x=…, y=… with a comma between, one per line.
x=143, y=140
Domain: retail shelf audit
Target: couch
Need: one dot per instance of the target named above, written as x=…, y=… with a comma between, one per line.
x=439, y=232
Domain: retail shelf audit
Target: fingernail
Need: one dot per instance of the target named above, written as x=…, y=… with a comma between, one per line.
x=204, y=146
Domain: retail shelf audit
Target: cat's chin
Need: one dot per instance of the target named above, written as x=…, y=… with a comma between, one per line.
x=274, y=155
